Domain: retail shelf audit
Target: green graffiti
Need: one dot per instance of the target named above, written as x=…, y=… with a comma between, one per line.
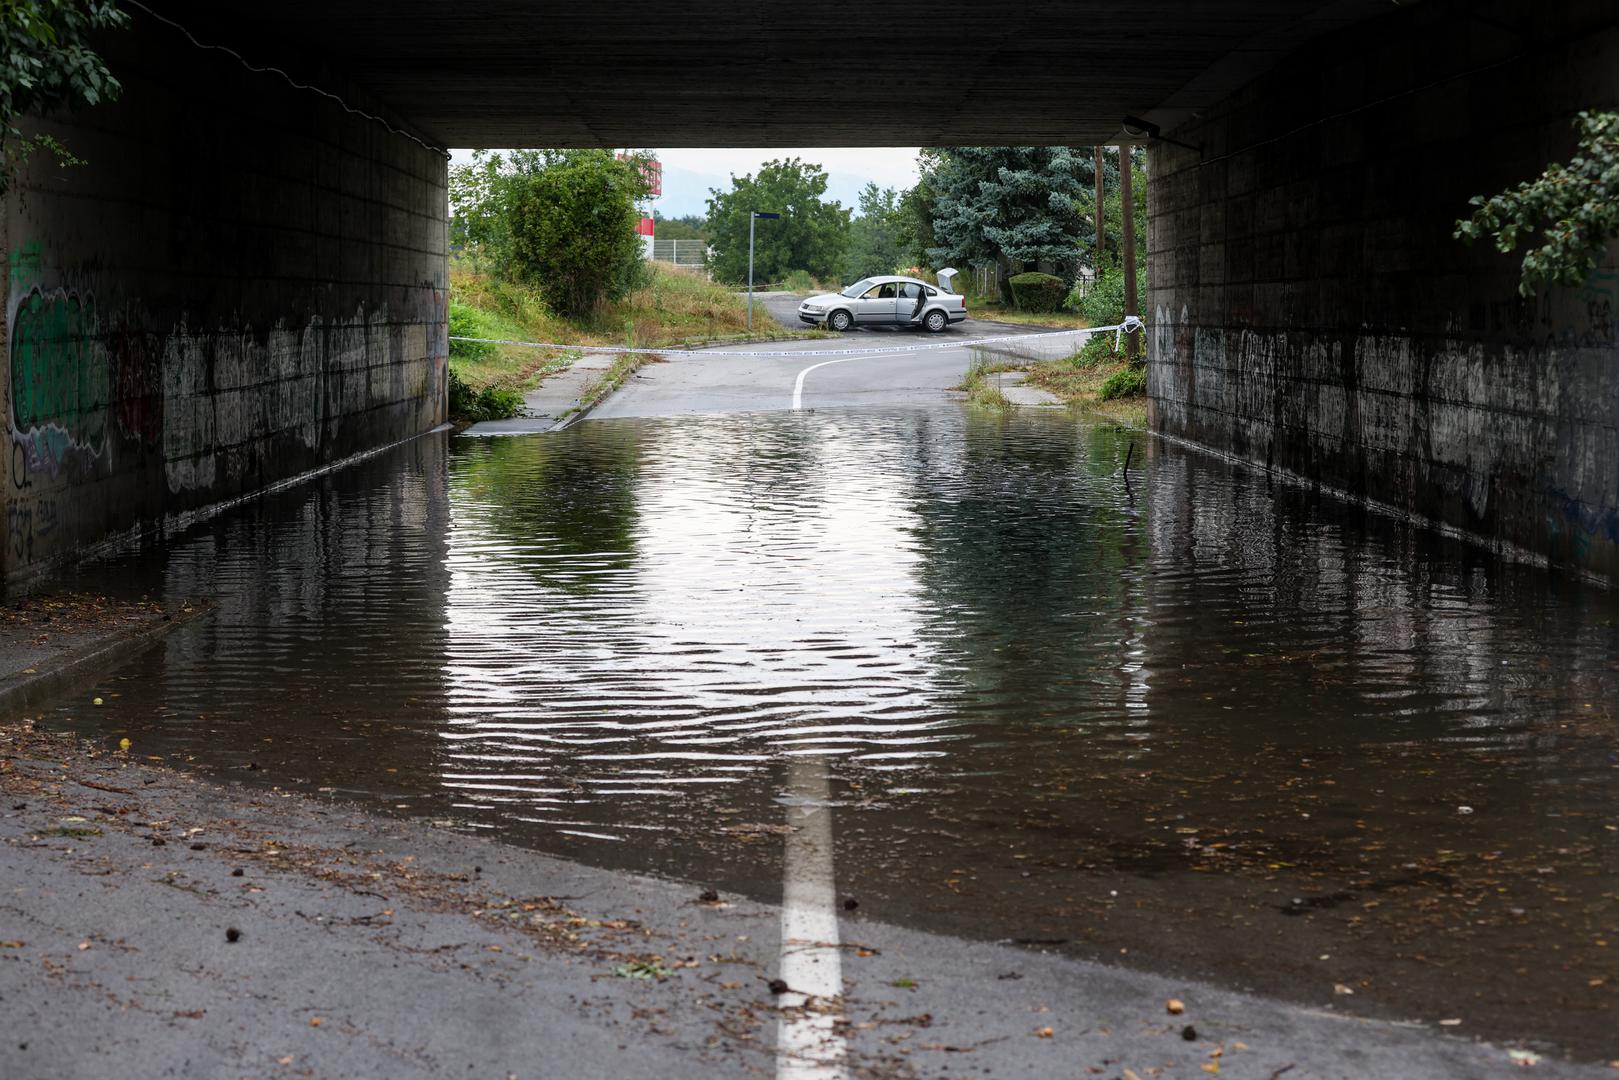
x=60, y=379
x=25, y=264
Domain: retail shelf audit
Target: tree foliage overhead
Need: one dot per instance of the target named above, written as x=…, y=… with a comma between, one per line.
x=1010, y=205
x=809, y=236
x=46, y=64
x=563, y=221
x=1574, y=208
x=874, y=235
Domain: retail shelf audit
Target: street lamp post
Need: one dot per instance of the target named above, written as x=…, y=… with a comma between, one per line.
x=753, y=216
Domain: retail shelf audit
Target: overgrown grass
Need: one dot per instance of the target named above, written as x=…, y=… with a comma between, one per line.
x=802, y=281
x=1098, y=378
x=490, y=403
x=1058, y=320
x=980, y=385
x=676, y=307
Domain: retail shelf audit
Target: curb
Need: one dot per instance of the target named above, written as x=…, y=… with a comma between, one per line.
x=76, y=667
x=583, y=409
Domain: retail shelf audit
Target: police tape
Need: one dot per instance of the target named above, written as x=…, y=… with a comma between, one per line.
x=1131, y=324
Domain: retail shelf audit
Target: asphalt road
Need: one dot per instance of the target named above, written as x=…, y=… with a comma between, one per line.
x=154, y=923
x=727, y=379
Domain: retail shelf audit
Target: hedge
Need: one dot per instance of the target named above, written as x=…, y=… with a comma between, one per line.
x=1038, y=292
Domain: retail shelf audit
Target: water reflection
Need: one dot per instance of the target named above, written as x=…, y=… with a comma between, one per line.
x=1228, y=727
x=733, y=622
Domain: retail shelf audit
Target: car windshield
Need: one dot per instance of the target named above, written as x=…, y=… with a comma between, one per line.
x=858, y=287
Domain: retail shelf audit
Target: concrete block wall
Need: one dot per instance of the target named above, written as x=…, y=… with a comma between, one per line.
x=244, y=282
x=1311, y=311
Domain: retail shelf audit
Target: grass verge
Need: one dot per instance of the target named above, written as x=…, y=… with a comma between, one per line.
x=1057, y=320
x=675, y=308
x=980, y=385
x=1098, y=379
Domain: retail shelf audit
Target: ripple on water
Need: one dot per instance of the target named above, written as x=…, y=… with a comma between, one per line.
x=1024, y=679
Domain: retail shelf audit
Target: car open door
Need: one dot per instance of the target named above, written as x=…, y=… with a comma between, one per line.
x=878, y=304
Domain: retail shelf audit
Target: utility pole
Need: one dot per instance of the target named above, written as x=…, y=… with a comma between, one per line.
x=1127, y=204
x=753, y=215
x=1101, y=227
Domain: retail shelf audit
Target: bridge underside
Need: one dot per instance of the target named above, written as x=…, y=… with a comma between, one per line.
x=248, y=280
x=719, y=73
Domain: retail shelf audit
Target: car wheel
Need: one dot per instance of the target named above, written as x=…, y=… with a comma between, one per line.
x=839, y=321
x=936, y=321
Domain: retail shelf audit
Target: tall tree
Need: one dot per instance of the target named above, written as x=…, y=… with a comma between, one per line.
x=809, y=235
x=915, y=217
x=563, y=221
x=874, y=246
x=1013, y=206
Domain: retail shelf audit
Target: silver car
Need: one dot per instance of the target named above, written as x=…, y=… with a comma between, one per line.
x=890, y=300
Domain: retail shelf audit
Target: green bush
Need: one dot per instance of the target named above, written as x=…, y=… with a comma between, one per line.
x=799, y=281
x=1038, y=292
x=1098, y=349
x=466, y=321
x=1104, y=304
x=1126, y=382
x=491, y=403
x=572, y=232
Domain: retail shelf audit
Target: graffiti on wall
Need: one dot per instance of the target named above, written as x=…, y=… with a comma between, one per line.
x=102, y=388
x=1601, y=300
x=60, y=382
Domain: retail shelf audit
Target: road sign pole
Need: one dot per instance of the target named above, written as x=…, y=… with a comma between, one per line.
x=752, y=217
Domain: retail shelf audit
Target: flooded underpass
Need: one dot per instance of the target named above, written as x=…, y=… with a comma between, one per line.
x=1195, y=722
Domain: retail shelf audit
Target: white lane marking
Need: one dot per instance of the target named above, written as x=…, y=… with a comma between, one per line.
x=798, y=383
x=808, y=1046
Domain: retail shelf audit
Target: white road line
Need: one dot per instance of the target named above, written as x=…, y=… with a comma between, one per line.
x=798, y=383
x=808, y=1046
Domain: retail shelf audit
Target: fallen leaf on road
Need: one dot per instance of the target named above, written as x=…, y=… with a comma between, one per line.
x=1175, y=1006
x=1524, y=1058
x=83, y=945
x=1340, y=988
x=1210, y=1066
x=315, y=1021
x=1045, y=1033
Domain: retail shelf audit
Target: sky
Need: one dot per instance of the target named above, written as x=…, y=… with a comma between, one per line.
x=689, y=173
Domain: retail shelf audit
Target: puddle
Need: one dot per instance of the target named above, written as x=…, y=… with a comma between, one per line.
x=1200, y=726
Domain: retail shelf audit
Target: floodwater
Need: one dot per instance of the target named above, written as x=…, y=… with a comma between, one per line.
x=1196, y=724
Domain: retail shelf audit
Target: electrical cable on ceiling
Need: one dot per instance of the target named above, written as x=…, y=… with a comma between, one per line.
x=294, y=83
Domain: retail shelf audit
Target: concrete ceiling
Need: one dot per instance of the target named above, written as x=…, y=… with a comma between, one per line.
x=712, y=73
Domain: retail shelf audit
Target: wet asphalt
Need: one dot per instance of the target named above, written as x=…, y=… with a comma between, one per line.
x=727, y=379
x=158, y=925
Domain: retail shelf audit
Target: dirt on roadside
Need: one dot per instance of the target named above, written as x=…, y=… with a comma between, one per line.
x=53, y=622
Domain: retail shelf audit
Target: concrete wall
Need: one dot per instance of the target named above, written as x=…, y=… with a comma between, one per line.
x=243, y=283
x=1311, y=310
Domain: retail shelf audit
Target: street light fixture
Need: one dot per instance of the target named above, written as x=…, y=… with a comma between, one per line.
x=752, y=217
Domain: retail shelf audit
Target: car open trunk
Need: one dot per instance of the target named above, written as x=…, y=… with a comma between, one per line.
x=947, y=278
